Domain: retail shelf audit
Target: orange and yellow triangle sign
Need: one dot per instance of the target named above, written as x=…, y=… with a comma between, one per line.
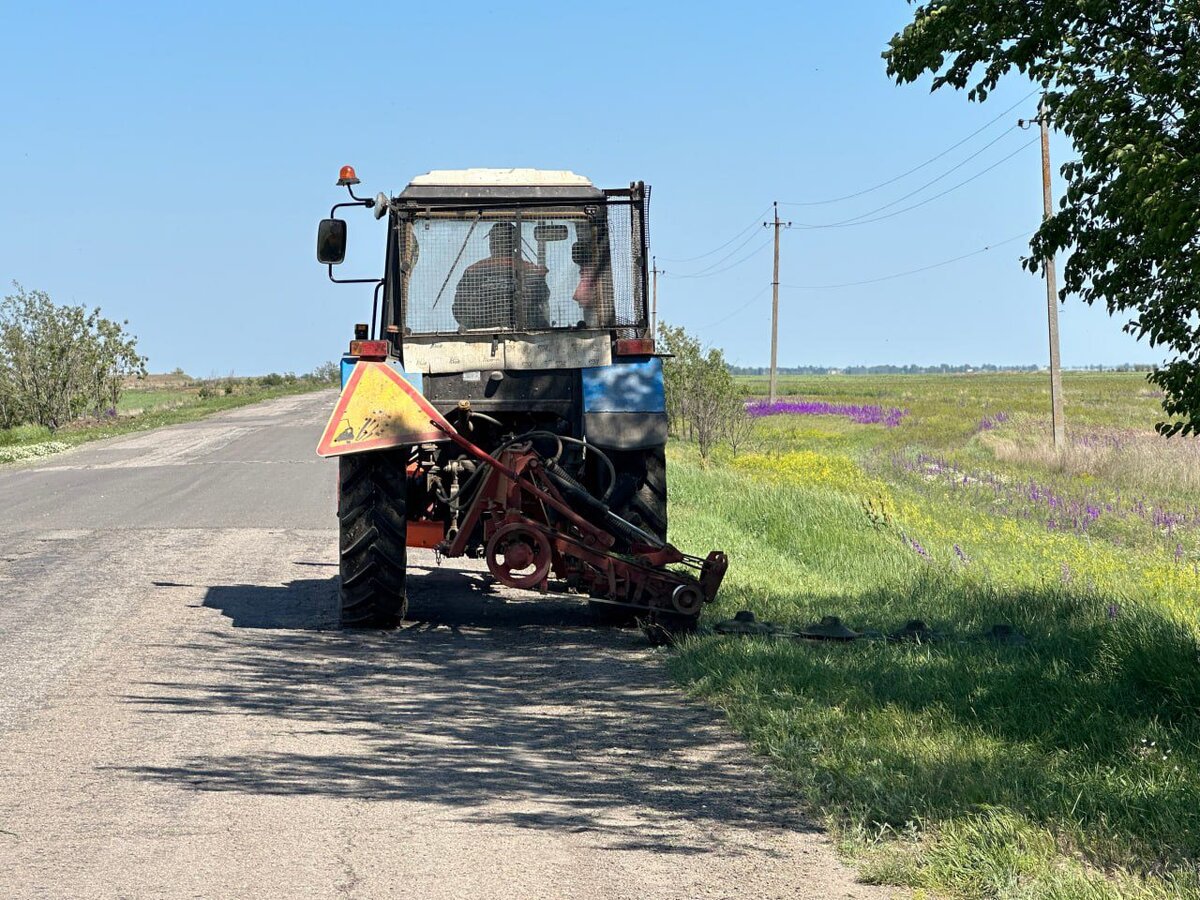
x=379, y=409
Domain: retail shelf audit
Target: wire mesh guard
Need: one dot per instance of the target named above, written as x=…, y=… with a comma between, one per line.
x=532, y=270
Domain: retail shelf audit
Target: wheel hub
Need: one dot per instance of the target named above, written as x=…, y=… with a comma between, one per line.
x=519, y=556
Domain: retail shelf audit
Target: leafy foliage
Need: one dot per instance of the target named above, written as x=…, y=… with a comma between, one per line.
x=704, y=403
x=327, y=373
x=1122, y=80
x=60, y=362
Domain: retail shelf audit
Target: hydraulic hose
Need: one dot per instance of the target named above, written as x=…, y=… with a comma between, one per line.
x=598, y=509
x=559, y=439
x=577, y=489
x=478, y=415
x=612, y=471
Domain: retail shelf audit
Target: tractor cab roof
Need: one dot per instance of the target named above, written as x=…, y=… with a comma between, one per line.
x=457, y=185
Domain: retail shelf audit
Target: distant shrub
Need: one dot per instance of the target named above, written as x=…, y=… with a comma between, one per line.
x=326, y=373
x=272, y=380
x=58, y=363
x=703, y=402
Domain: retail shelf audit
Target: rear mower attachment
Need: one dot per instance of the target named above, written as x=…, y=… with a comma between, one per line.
x=540, y=524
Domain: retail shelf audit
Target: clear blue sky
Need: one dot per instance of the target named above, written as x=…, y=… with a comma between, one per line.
x=169, y=163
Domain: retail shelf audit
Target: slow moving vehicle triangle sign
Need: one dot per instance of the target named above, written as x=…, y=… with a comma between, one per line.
x=379, y=409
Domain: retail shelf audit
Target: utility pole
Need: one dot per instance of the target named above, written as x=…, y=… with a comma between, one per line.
x=654, y=302
x=1056, y=401
x=776, y=224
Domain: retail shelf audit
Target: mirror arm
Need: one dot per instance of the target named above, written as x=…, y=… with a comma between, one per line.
x=362, y=200
x=351, y=280
x=333, y=209
x=375, y=307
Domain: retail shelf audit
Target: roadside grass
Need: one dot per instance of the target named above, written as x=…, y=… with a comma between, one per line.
x=154, y=407
x=1065, y=767
x=136, y=400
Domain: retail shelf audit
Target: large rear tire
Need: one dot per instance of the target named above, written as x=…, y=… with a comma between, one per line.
x=639, y=497
x=373, y=529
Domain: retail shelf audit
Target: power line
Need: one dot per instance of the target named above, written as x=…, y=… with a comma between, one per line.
x=937, y=265
x=734, y=312
x=749, y=227
x=736, y=250
x=753, y=253
x=927, y=162
x=851, y=223
x=930, y=183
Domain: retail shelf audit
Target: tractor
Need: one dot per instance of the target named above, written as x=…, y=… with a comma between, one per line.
x=512, y=325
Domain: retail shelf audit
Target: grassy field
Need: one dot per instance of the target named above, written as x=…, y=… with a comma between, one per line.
x=1067, y=765
x=149, y=403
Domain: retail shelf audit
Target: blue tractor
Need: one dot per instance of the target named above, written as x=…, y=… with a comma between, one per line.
x=515, y=301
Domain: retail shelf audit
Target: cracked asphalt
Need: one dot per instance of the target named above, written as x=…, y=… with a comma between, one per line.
x=180, y=717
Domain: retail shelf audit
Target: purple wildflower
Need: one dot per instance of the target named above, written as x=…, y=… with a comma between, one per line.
x=862, y=414
x=917, y=548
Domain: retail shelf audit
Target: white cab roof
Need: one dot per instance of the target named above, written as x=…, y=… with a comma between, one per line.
x=501, y=178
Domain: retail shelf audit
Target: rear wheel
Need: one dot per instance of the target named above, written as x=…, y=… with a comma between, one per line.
x=639, y=497
x=372, y=526
x=640, y=494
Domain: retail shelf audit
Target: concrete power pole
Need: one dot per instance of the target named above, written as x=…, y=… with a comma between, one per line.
x=776, y=224
x=1056, y=399
x=656, y=271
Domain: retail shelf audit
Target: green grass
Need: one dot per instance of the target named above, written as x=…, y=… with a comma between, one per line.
x=1069, y=767
x=140, y=399
x=140, y=409
x=946, y=409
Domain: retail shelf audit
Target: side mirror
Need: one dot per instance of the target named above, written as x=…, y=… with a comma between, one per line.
x=331, y=241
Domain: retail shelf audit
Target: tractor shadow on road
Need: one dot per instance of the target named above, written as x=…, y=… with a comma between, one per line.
x=517, y=712
x=312, y=603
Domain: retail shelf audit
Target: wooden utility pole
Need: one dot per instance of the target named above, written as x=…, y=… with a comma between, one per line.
x=1056, y=401
x=776, y=224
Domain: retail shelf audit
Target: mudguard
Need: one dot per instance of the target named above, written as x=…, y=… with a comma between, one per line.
x=624, y=405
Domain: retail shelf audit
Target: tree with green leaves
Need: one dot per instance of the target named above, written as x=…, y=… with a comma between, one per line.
x=60, y=362
x=703, y=402
x=1122, y=81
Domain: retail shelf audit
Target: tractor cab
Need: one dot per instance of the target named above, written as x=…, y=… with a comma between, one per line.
x=511, y=269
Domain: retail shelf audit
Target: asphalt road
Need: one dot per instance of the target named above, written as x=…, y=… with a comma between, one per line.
x=179, y=717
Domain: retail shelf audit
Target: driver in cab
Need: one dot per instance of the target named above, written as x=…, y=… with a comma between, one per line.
x=484, y=296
